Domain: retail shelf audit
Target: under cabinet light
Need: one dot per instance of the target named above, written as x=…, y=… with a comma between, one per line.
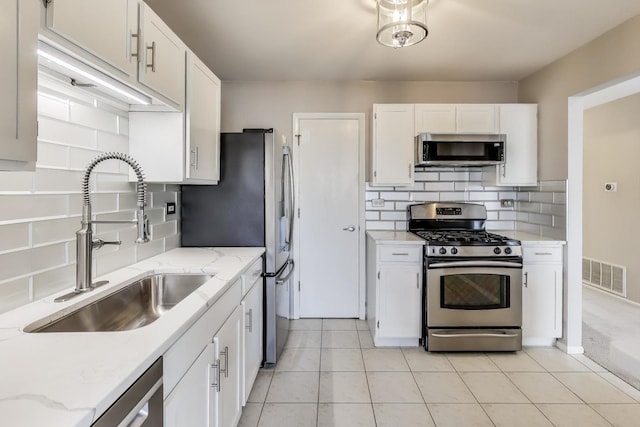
x=91, y=74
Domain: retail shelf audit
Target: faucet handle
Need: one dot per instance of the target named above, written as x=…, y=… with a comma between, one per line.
x=98, y=243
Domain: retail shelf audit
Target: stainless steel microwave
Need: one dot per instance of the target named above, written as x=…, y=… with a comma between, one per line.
x=460, y=149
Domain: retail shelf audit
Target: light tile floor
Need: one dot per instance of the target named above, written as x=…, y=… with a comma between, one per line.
x=330, y=375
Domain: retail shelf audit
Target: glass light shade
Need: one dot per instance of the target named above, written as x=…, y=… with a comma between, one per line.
x=401, y=22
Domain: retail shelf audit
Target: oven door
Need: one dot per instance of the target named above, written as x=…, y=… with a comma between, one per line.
x=474, y=294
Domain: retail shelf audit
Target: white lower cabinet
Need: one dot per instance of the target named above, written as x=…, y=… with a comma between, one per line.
x=205, y=382
x=194, y=401
x=541, y=294
x=394, y=292
x=252, y=306
x=228, y=348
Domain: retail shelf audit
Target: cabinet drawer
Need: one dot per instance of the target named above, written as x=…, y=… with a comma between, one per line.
x=251, y=275
x=542, y=254
x=405, y=253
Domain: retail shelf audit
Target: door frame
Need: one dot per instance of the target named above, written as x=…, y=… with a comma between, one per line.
x=360, y=117
x=592, y=97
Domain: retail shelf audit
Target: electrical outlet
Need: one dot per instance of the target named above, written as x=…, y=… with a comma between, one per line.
x=506, y=203
x=610, y=187
x=377, y=203
x=171, y=208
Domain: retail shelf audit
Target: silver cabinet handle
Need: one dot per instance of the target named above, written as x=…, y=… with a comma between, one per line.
x=418, y=280
x=526, y=280
x=410, y=170
x=215, y=374
x=544, y=253
x=136, y=37
x=225, y=371
x=153, y=57
x=250, y=314
x=194, y=157
x=400, y=253
x=350, y=228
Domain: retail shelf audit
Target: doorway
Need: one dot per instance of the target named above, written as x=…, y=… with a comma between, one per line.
x=608, y=92
x=328, y=153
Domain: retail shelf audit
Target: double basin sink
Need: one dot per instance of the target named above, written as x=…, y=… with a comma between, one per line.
x=136, y=305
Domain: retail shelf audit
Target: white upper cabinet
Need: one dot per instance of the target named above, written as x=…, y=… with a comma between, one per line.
x=18, y=68
x=456, y=118
x=202, y=122
x=393, y=143
x=181, y=147
x=162, y=57
x=435, y=118
x=124, y=39
x=520, y=123
x=108, y=30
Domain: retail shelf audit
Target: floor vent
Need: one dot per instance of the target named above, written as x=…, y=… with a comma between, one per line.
x=605, y=276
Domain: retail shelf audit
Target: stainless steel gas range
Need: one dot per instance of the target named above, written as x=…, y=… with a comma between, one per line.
x=472, y=290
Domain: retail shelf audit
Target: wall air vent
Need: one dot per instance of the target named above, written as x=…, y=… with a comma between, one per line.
x=605, y=276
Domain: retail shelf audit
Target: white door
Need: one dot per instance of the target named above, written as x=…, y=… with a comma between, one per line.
x=330, y=235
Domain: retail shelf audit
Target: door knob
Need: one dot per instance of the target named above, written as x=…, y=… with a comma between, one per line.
x=350, y=228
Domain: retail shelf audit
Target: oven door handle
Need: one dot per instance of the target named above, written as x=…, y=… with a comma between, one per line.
x=484, y=334
x=453, y=264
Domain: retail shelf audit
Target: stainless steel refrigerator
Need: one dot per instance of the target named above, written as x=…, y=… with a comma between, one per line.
x=251, y=206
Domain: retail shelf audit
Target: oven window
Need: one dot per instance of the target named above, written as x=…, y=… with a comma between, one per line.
x=474, y=291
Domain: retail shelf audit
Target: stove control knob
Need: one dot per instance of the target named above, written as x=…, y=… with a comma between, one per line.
x=496, y=251
x=454, y=251
x=442, y=251
x=507, y=251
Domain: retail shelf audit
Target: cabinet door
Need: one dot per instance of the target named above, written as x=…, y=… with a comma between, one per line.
x=202, y=122
x=19, y=67
x=520, y=123
x=393, y=144
x=252, y=305
x=193, y=401
x=229, y=351
x=106, y=29
x=399, y=304
x=162, y=68
x=435, y=118
x=476, y=118
x=542, y=301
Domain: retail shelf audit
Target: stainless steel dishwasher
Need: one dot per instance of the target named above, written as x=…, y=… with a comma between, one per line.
x=140, y=405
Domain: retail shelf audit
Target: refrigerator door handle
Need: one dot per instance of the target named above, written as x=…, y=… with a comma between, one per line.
x=285, y=279
x=286, y=154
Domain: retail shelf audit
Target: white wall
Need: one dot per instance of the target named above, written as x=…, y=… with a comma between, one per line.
x=611, y=153
x=41, y=210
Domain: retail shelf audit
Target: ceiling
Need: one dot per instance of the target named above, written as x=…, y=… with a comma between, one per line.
x=477, y=40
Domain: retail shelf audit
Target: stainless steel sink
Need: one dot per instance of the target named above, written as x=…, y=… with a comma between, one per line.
x=132, y=307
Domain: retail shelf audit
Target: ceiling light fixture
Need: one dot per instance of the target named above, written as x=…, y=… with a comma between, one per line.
x=402, y=22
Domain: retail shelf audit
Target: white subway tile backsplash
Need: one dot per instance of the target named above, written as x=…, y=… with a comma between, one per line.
x=508, y=215
x=557, y=186
x=51, y=281
x=25, y=262
x=57, y=180
x=51, y=130
x=14, y=293
x=400, y=195
x=560, y=198
x=388, y=206
x=165, y=229
x=507, y=195
x=54, y=230
x=427, y=176
x=94, y=118
x=401, y=226
x=425, y=197
x=370, y=195
x=483, y=195
x=380, y=225
x=454, y=176
x=541, y=197
x=454, y=197
x=14, y=236
x=418, y=186
x=368, y=216
x=43, y=208
x=52, y=106
x=468, y=186
x=23, y=207
x=392, y=216
x=439, y=186
x=52, y=155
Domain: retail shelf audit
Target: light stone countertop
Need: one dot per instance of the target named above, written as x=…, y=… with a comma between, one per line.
x=395, y=237
x=69, y=379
